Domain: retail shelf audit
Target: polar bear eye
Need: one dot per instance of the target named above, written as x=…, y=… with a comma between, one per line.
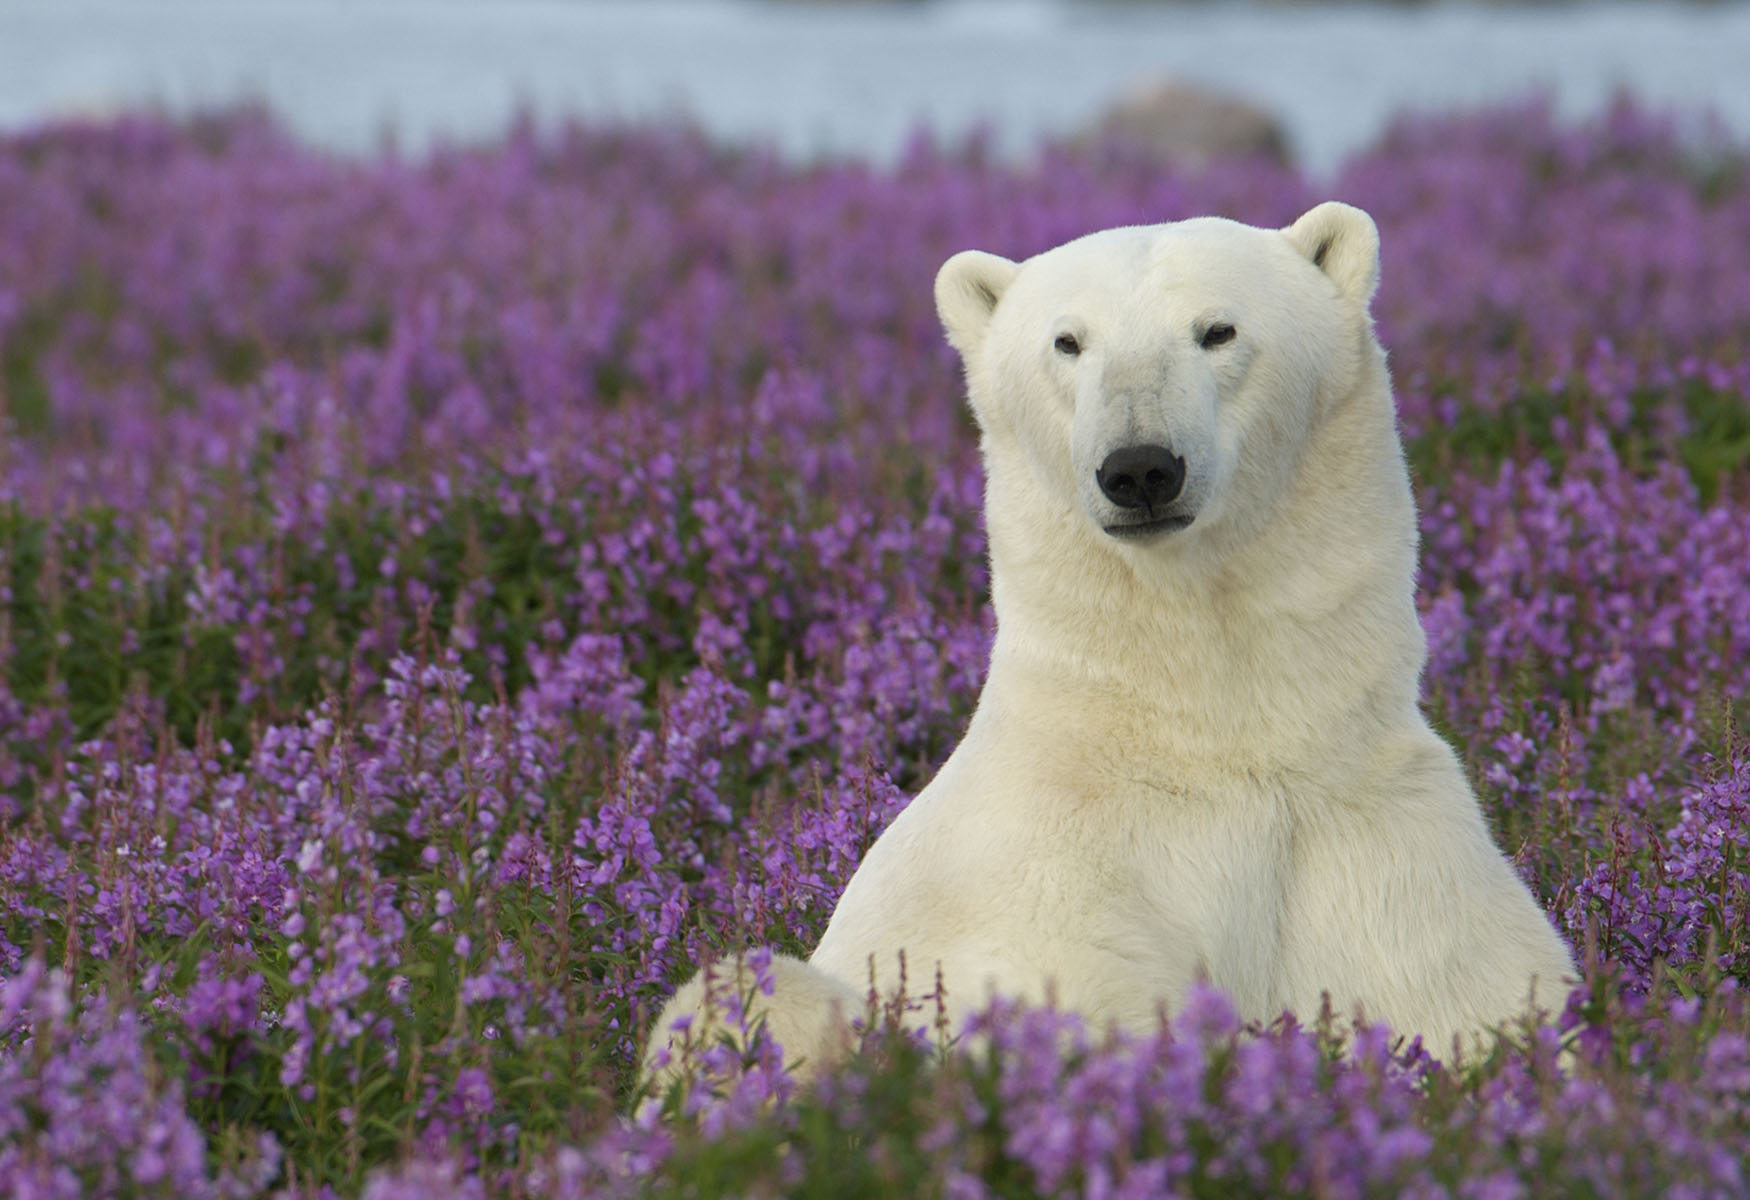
x=1216, y=335
x=1066, y=344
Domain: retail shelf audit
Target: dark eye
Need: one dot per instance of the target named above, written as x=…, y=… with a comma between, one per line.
x=1066, y=344
x=1217, y=335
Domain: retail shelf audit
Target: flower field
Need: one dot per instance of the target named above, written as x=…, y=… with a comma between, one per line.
x=446, y=599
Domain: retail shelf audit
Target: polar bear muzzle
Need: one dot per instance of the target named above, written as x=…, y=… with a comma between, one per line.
x=1143, y=481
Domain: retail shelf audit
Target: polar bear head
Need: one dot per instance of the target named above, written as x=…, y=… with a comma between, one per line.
x=1162, y=382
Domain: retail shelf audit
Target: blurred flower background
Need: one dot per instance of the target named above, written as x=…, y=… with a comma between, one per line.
x=488, y=521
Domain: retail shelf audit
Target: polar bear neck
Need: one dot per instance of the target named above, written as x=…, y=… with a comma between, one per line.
x=1248, y=645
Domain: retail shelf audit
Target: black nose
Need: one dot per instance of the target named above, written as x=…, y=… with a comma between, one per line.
x=1141, y=476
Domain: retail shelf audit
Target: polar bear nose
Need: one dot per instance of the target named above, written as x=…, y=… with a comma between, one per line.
x=1141, y=476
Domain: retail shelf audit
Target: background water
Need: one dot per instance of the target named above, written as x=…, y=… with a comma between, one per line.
x=847, y=78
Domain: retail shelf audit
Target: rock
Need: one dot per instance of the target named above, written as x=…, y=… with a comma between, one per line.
x=1189, y=124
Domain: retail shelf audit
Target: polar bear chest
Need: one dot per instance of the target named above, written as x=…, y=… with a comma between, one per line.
x=1111, y=906
x=1190, y=889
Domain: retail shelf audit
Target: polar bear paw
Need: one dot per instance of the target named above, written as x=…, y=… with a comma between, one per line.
x=797, y=1009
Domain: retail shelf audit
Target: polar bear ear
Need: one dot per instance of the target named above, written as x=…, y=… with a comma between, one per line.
x=1343, y=242
x=967, y=290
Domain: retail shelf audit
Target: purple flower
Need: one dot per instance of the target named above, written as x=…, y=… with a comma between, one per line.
x=445, y=599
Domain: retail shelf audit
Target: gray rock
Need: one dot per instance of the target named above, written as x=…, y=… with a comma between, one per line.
x=1189, y=124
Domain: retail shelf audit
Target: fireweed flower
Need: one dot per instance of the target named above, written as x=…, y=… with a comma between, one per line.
x=444, y=600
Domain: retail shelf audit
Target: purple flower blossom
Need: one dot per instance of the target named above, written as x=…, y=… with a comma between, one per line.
x=443, y=601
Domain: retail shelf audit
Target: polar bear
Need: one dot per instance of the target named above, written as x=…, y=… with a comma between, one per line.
x=1198, y=753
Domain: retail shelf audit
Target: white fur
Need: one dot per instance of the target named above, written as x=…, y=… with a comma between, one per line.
x=813, y=1024
x=1198, y=754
